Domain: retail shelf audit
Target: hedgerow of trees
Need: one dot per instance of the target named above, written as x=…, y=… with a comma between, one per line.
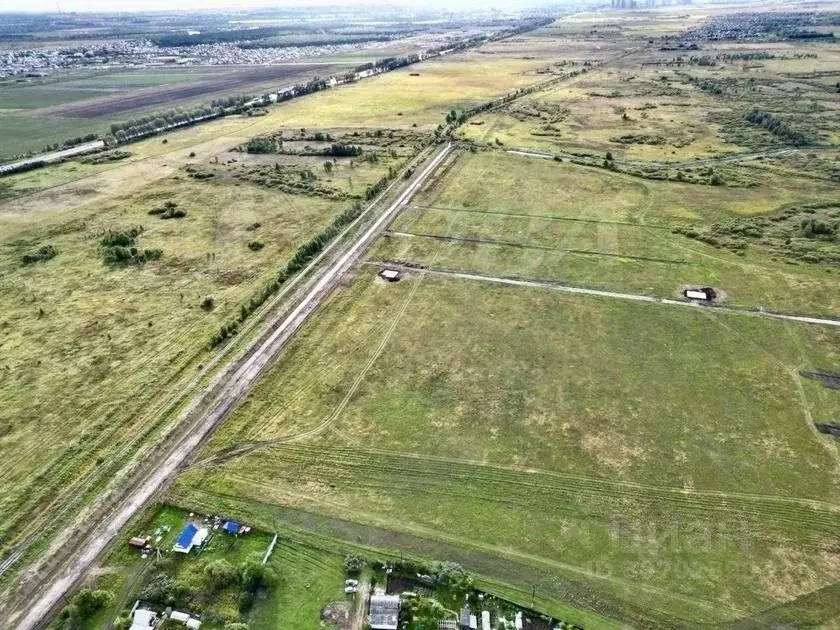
x=776, y=127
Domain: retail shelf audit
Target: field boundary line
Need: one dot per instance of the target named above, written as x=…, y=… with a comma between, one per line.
x=546, y=217
x=722, y=159
x=504, y=552
x=561, y=250
x=814, y=504
x=713, y=494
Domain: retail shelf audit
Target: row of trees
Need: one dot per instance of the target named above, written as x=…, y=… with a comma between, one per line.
x=317, y=41
x=215, y=37
x=776, y=127
x=150, y=125
x=454, y=119
x=160, y=121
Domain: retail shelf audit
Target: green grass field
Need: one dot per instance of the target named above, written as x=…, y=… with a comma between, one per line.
x=82, y=338
x=590, y=227
x=23, y=133
x=551, y=454
x=644, y=463
x=606, y=461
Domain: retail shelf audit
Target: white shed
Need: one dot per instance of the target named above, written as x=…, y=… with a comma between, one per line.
x=143, y=619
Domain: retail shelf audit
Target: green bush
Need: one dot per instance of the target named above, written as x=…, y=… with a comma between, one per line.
x=42, y=254
x=245, y=602
x=220, y=574
x=263, y=145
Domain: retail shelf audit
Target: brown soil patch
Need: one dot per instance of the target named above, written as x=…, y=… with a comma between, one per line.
x=337, y=614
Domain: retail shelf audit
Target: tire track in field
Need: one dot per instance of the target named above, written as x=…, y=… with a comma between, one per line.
x=793, y=372
x=365, y=518
x=532, y=475
x=546, y=217
x=331, y=419
x=312, y=379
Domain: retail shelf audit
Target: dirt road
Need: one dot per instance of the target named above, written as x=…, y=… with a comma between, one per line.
x=241, y=382
x=359, y=614
x=722, y=159
x=757, y=312
x=54, y=156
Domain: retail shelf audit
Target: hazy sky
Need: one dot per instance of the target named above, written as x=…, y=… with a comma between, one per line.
x=169, y=5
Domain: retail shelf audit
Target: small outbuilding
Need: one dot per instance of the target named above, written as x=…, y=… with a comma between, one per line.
x=485, y=620
x=232, y=527
x=384, y=612
x=391, y=275
x=185, y=618
x=138, y=543
x=706, y=294
x=143, y=619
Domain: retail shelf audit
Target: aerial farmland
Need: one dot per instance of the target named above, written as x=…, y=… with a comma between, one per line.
x=537, y=329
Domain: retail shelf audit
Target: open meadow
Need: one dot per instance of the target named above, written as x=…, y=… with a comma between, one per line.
x=516, y=216
x=659, y=455
x=33, y=116
x=117, y=276
x=674, y=102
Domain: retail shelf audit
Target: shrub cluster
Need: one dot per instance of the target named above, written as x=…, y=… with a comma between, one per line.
x=110, y=156
x=81, y=609
x=120, y=248
x=169, y=210
x=43, y=253
x=262, y=145
x=342, y=150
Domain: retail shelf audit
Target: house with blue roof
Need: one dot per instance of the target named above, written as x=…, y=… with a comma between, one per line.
x=192, y=536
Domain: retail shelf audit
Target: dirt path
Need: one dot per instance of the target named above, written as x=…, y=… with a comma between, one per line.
x=723, y=159
x=357, y=618
x=243, y=379
x=54, y=156
x=804, y=319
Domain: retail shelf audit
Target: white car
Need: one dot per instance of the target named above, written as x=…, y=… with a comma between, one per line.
x=351, y=582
